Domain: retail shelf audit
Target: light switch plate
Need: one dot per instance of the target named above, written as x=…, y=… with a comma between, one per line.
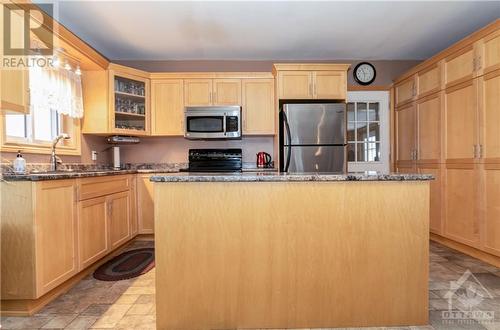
x=94, y=155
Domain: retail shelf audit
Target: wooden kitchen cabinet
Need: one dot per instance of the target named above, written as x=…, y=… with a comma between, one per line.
x=489, y=100
x=461, y=122
x=15, y=90
x=429, y=80
x=491, y=199
x=119, y=209
x=435, y=207
x=459, y=66
x=406, y=133
x=429, y=129
x=258, y=106
x=206, y=92
x=226, y=91
x=488, y=58
x=405, y=91
x=93, y=233
x=167, y=107
x=116, y=101
x=145, y=204
x=311, y=81
x=461, y=203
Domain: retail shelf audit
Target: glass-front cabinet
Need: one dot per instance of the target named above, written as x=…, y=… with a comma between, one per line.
x=130, y=104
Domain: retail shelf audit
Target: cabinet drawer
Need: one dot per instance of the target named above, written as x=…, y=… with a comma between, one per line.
x=95, y=187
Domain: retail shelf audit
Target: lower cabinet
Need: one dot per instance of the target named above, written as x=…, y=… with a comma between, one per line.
x=93, y=234
x=462, y=203
x=119, y=218
x=145, y=205
x=435, y=207
x=491, y=199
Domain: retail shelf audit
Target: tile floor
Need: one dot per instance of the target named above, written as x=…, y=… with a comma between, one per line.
x=130, y=304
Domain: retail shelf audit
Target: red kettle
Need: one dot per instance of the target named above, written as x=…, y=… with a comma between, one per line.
x=263, y=159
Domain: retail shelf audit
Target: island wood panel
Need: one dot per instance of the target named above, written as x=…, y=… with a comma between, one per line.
x=429, y=129
x=489, y=99
x=461, y=123
x=298, y=255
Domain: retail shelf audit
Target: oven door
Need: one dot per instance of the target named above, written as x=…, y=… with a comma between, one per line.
x=212, y=123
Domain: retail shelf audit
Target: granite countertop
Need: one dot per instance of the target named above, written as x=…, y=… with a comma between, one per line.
x=284, y=177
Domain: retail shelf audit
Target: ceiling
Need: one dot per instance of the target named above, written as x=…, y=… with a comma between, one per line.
x=261, y=30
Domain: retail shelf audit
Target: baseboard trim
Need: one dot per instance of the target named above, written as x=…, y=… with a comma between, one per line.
x=28, y=307
x=473, y=252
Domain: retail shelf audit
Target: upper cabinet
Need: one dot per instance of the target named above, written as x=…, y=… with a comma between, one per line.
x=311, y=81
x=116, y=101
x=429, y=80
x=258, y=106
x=488, y=49
x=405, y=91
x=459, y=66
x=14, y=90
x=205, y=92
x=489, y=109
x=167, y=107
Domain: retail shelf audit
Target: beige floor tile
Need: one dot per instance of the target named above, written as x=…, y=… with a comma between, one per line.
x=143, y=322
x=34, y=322
x=82, y=322
x=96, y=310
x=140, y=290
x=140, y=309
x=111, y=317
x=60, y=321
x=146, y=299
x=127, y=299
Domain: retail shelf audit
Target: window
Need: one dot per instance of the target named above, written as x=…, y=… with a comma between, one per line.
x=363, y=132
x=56, y=107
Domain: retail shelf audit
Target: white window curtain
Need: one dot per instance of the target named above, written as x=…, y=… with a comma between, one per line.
x=56, y=89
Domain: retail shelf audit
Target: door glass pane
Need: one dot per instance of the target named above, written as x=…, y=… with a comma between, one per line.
x=362, y=131
x=361, y=112
x=374, y=132
x=351, y=131
x=350, y=112
x=351, y=152
x=368, y=152
x=373, y=112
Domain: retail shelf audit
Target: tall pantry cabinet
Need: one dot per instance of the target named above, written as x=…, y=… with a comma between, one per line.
x=447, y=123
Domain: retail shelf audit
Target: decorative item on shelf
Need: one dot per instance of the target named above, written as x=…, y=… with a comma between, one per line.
x=364, y=73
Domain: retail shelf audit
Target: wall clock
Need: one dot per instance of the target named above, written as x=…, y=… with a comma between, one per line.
x=364, y=73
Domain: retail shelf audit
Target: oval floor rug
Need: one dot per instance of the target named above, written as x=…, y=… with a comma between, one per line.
x=129, y=264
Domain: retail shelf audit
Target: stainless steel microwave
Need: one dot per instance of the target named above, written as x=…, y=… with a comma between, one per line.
x=212, y=122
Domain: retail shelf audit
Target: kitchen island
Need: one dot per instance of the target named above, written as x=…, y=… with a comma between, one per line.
x=269, y=250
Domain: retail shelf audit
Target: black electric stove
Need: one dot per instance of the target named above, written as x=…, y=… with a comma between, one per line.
x=215, y=160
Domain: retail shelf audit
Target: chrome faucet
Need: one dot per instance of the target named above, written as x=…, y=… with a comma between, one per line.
x=54, y=159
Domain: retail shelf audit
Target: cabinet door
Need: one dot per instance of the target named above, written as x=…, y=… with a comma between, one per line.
x=56, y=233
x=329, y=85
x=429, y=80
x=461, y=113
x=459, y=66
x=295, y=85
x=119, y=218
x=489, y=58
x=491, y=199
x=145, y=205
x=15, y=90
x=167, y=107
x=489, y=86
x=197, y=92
x=461, y=184
x=227, y=92
x=258, y=106
x=406, y=133
x=93, y=236
x=405, y=91
x=435, y=197
x=429, y=129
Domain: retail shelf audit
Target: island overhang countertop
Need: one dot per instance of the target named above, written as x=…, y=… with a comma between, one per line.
x=288, y=177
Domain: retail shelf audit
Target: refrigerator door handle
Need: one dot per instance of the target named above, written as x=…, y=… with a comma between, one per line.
x=289, y=136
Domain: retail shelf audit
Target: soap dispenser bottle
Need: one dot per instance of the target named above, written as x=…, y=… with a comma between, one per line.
x=19, y=163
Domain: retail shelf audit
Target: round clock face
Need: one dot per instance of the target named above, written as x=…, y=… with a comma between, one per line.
x=364, y=73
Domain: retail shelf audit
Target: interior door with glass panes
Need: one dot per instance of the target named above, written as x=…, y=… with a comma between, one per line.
x=368, y=131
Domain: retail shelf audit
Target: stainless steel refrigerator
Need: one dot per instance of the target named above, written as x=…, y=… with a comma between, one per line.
x=313, y=137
